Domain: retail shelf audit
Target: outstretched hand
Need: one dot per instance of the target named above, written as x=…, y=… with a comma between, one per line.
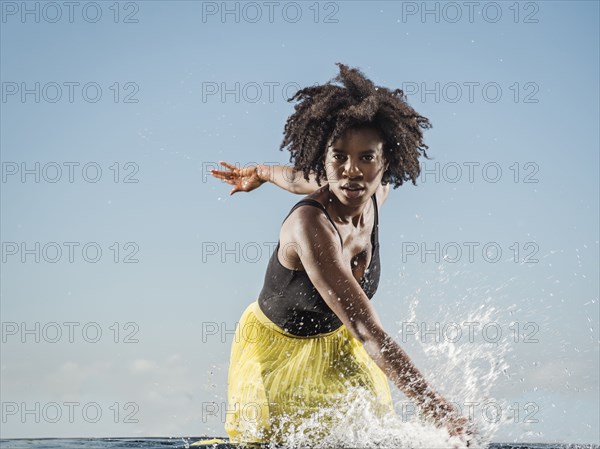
x=460, y=426
x=242, y=179
x=445, y=415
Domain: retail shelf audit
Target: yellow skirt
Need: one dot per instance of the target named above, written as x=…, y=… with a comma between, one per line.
x=277, y=379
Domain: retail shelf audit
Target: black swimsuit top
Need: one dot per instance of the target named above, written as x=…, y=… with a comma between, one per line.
x=290, y=300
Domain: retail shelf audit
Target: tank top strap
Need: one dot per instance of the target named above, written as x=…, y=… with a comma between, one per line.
x=376, y=210
x=320, y=206
x=375, y=234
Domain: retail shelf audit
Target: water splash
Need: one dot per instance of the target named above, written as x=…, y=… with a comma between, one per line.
x=360, y=424
x=466, y=356
x=463, y=366
x=466, y=362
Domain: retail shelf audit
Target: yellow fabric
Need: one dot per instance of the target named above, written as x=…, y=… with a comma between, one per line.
x=274, y=375
x=208, y=442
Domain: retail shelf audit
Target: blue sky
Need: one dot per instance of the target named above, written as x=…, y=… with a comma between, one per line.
x=163, y=90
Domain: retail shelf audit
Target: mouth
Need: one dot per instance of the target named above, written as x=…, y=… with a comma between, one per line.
x=353, y=187
x=353, y=191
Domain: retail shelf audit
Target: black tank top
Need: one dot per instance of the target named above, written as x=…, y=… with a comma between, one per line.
x=290, y=300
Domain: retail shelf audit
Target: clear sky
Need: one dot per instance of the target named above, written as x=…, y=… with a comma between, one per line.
x=126, y=266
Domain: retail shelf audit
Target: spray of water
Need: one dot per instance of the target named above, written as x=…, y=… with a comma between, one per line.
x=467, y=353
x=359, y=424
x=463, y=367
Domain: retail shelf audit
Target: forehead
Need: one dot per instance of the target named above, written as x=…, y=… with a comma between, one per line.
x=363, y=138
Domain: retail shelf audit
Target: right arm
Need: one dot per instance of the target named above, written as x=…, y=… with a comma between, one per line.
x=249, y=178
x=320, y=253
x=246, y=179
x=288, y=178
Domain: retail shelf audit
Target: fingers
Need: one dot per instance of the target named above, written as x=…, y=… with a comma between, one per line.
x=228, y=165
x=221, y=172
x=227, y=179
x=233, y=177
x=225, y=176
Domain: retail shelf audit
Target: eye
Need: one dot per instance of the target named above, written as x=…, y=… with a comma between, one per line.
x=336, y=156
x=370, y=156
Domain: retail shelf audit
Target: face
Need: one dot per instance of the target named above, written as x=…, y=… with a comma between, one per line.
x=355, y=164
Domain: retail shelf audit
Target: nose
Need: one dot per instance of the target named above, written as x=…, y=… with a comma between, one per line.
x=351, y=169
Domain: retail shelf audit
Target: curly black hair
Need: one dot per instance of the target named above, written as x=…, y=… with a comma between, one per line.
x=325, y=112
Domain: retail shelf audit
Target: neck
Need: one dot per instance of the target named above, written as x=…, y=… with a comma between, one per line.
x=343, y=213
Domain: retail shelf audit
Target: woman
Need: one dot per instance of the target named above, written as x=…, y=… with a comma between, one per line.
x=312, y=337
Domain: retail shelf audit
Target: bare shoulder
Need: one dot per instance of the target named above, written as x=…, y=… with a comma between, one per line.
x=305, y=230
x=382, y=193
x=308, y=224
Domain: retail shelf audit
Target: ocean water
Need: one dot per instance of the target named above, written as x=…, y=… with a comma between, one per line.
x=469, y=371
x=110, y=443
x=465, y=369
